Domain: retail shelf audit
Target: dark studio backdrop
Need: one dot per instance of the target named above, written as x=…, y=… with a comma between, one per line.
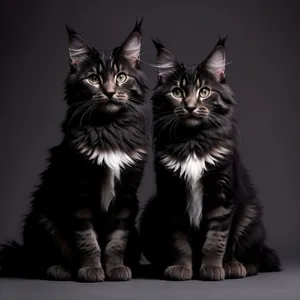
x=263, y=48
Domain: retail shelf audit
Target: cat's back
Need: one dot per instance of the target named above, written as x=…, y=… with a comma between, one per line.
x=241, y=180
x=248, y=206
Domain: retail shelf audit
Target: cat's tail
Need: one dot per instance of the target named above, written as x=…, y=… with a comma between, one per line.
x=269, y=261
x=14, y=261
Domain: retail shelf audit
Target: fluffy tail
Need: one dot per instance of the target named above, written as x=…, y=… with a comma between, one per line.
x=269, y=261
x=14, y=261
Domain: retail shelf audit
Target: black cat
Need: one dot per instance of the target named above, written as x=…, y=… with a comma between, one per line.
x=205, y=219
x=82, y=218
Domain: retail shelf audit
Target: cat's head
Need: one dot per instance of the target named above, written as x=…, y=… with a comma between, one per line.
x=194, y=96
x=104, y=83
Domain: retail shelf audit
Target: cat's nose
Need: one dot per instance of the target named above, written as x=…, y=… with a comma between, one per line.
x=109, y=94
x=190, y=108
x=109, y=88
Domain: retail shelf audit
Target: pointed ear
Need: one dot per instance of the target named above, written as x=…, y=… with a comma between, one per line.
x=78, y=48
x=216, y=61
x=131, y=48
x=166, y=62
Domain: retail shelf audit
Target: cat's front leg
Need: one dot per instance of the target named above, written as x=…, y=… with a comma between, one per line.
x=181, y=268
x=116, y=247
x=217, y=218
x=87, y=248
x=121, y=243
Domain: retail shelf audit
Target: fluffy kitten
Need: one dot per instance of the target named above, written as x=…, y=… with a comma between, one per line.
x=82, y=220
x=205, y=219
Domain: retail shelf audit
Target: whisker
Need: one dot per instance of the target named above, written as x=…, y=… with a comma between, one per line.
x=77, y=111
x=134, y=108
x=233, y=123
x=82, y=117
x=91, y=112
x=85, y=101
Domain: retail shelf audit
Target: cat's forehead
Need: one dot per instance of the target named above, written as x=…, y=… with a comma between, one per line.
x=191, y=77
x=107, y=61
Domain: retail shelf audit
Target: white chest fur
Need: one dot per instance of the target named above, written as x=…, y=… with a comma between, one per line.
x=192, y=169
x=115, y=161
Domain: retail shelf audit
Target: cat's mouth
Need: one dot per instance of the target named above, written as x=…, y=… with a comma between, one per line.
x=112, y=105
x=109, y=106
x=194, y=118
x=195, y=115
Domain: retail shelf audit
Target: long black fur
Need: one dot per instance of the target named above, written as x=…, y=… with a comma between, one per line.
x=69, y=232
x=229, y=240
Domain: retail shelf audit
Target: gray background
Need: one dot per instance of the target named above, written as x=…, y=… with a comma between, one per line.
x=263, y=46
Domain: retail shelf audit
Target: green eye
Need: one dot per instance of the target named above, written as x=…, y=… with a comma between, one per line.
x=204, y=92
x=94, y=79
x=121, y=77
x=177, y=93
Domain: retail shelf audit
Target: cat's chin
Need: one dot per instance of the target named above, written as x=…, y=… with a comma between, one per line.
x=110, y=108
x=192, y=121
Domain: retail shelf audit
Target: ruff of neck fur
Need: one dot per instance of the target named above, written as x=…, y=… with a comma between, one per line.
x=116, y=160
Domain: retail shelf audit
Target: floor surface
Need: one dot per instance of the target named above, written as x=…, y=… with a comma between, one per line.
x=276, y=286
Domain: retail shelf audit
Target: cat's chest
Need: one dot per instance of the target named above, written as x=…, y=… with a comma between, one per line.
x=191, y=168
x=112, y=163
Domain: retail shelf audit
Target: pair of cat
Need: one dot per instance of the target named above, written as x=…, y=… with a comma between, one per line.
x=205, y=219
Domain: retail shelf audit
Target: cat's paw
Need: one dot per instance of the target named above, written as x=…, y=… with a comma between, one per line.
x=119, y=273
x=234, y=270
x=178, y=272
x=213, y=273
x=59, y=272
x=88, y=274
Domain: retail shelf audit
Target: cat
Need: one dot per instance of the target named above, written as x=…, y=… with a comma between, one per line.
x=205, y=220
x=81, y=225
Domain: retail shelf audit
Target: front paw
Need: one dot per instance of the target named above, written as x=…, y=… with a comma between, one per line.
x=119, y=273
x=59, y=272
x=213, y=273
x=88, y=274
x=234, y=270
x=178, y=273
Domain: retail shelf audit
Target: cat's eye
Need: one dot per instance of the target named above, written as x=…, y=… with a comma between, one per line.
x=177, y=93
x=94, y=79
x=121, y=77
x=204, y=92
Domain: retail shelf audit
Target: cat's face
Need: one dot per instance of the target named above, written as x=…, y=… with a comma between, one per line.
x=192, y=96
x=104, y=83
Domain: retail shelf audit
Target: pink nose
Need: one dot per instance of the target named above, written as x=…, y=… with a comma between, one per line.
x=109, y=94
x=109, y=88
x=190, y=108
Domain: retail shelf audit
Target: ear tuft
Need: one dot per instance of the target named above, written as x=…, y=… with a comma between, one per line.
x=222, y=41
x=70, y=30
x=138, y=25
x=157, y=43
